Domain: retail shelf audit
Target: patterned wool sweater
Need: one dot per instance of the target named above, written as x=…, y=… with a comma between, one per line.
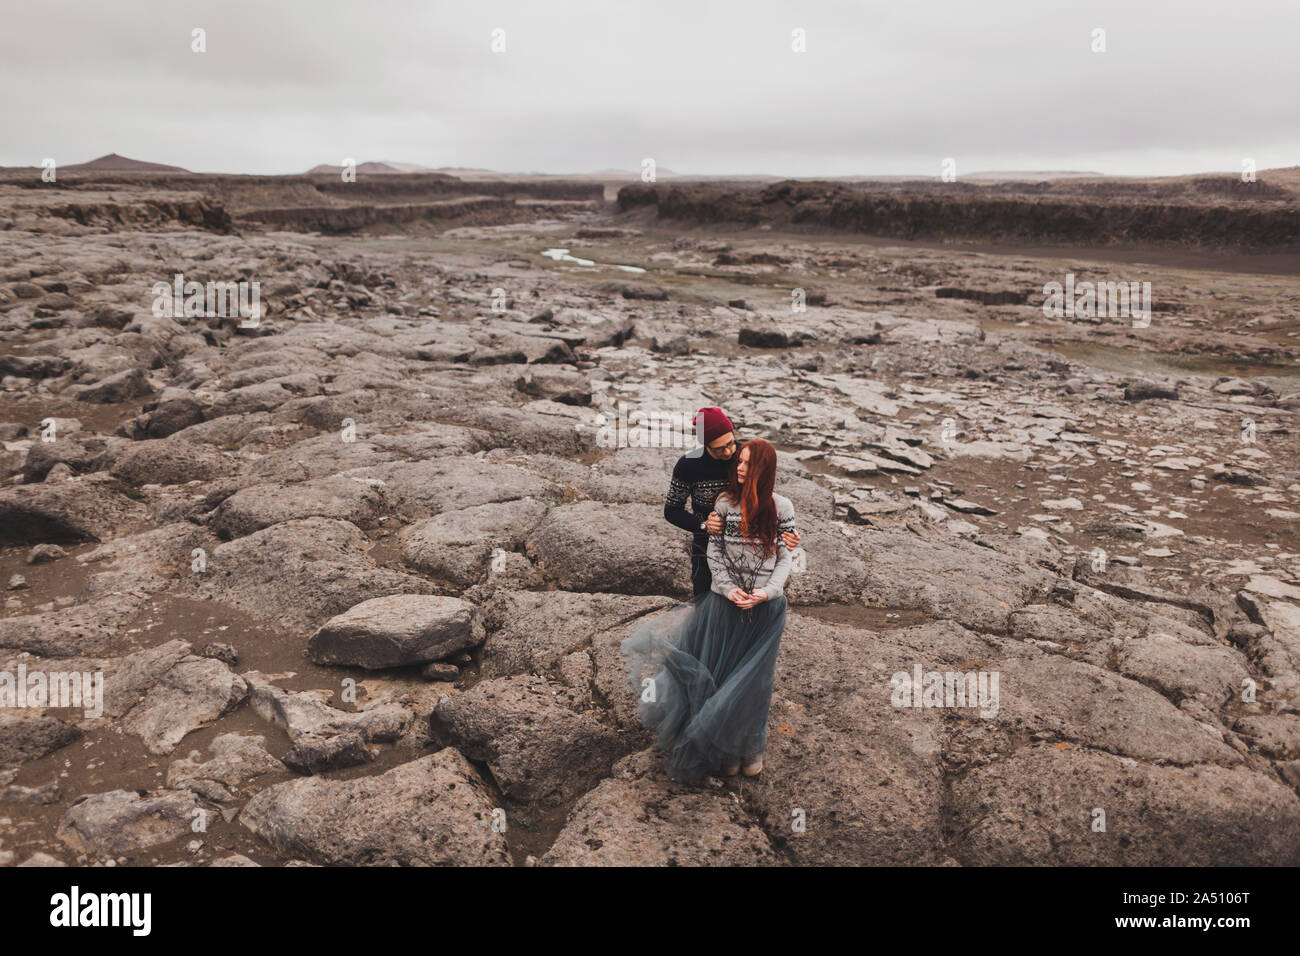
x=697, y=477
x=736, y=563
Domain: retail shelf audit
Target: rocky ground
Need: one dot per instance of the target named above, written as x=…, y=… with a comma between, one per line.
x=356, y=578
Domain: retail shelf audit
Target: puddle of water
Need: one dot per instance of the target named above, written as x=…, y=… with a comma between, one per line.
x=562, y=255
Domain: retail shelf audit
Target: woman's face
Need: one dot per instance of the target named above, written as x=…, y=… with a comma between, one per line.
x=742, y=465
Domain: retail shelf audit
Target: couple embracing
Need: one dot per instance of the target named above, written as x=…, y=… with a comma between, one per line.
x=704, y=670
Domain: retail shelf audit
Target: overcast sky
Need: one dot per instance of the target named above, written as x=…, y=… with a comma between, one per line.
x=702, y=86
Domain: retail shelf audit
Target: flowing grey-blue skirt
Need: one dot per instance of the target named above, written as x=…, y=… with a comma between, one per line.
x=703, y=674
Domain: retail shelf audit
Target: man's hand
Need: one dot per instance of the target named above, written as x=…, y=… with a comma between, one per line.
x=714, y=524
x=791, y=539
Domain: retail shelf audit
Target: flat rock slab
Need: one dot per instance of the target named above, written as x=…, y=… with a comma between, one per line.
x=29, y=736
x=169, y=461
x=1037, y=807
x=123, y=822
x=1213, y=675
x=396, y=631
x=421, y=489
x=434, y=811
x=950, y=579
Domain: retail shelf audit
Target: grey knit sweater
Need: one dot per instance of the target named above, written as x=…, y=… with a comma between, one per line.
x=769, y=574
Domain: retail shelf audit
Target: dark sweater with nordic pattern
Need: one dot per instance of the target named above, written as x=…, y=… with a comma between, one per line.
x=699, y=479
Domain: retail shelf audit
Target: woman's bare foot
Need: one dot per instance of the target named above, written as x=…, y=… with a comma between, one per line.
x=754, y=767
x=731, y=771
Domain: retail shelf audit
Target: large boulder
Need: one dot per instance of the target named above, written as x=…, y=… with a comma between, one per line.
x=396, y=631
x=592, y=546
x=434, y=811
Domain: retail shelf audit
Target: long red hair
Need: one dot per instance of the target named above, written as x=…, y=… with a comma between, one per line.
x=758, y=520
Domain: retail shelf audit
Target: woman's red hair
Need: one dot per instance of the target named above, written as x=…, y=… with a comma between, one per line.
x=758, y=520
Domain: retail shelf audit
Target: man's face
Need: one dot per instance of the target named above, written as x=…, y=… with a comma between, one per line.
x=723, y=447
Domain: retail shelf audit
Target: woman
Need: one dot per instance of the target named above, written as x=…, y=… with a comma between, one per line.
x=704, y=670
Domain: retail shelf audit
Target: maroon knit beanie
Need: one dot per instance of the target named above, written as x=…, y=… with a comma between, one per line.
x=716, y=424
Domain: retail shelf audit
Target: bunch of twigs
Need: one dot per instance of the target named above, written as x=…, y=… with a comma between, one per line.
x=744, y=573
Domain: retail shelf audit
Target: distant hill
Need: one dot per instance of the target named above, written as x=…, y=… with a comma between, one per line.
x=113, y=163
x=370, y=169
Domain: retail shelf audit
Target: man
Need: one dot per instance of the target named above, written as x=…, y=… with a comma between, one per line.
x=699, y=475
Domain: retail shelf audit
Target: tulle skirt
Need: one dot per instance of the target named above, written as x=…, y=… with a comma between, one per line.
x=703, y=675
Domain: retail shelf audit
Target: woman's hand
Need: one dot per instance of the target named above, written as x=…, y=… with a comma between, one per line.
x=791, y=539
x=757, y=596
x=738, y=598
x=714, y=523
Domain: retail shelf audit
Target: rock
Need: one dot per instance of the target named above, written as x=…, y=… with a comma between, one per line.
x=124, y=822
x=339, y=497
x=529, y=632
x=1141, y=391
x=538, y=749
x=653, y=293
x=640, y=820
x=18, y=583
x=168, y=461
x=950, y=579
x=459, y=545
x=29, y=736
x=312, y=753
x=43, y=553
x=169, y=417
x=591, y=546
x=1164, y=815
x=434, y=811
x=308, y=713
x=119, y=387
x=64, y=512
x=193, y=692
x=237, y=761
x=763, y=338
x=555, y=384
x=296, y=575
x=396, y=631
x=1213, y=675
x=438, y=671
